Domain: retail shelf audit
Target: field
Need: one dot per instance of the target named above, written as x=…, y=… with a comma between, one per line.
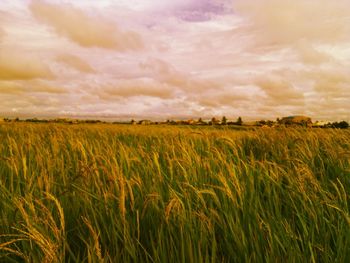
x=114, y=193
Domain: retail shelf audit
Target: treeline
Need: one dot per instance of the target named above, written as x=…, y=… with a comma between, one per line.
x=200, y=122
x=338, y=125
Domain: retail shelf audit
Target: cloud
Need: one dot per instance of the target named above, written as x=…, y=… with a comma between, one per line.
x=222, y=99
x=15, y=65
x=267, y=58
x=135, y=88
x=310, y=55
x=2, y=33
x=331, y=84
x=75, y=62
x=41, y=86
x=280, y=91
x=9, y=87
x=200, y=10
x=85, y=30
x=29, y=87
x=287, y=22
x=309, y=91
x=166, y=73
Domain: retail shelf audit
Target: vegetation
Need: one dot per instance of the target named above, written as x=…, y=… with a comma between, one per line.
x=290, y=121
x=339, y=125
x=123, y=193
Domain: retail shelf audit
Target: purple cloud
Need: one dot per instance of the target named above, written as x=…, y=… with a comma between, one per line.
x=201, y=10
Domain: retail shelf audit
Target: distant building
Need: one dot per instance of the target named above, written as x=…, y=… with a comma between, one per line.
x=74, y=121
x=296, y=121
x=191, y=122
x=145, y=122
x=201, y=122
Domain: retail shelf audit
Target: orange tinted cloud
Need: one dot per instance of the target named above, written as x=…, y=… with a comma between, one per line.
x=21, y=66
x=285, y=22
x=135, y=88
x=75, y=62
x=9, y=87
x=87, y=31
x=2, y=33
x=280, y=91
x=29, y=87
x=222, y=99
x=310, y=55
x=166, y=73
x=332, y=84
x=268, y=57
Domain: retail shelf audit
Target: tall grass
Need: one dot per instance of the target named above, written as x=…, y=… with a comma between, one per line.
x=108, y=193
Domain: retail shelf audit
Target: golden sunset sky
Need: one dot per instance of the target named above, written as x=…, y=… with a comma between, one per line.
x=171, y=59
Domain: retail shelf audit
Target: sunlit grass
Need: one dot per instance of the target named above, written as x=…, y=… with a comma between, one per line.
x=109, y=193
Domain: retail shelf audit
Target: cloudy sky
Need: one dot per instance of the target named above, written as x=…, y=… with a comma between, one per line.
x=167, y=59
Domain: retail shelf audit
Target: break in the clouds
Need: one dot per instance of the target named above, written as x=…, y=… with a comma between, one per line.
x=186, y=58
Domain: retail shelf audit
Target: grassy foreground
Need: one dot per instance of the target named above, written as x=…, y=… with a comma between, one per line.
x=109, y=193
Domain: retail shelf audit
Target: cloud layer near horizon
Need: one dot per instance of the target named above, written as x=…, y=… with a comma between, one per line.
x=249, y=58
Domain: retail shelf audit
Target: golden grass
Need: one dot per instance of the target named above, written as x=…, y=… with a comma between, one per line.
x=119, y=193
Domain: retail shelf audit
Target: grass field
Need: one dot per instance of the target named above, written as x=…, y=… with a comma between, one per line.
x=109, y=193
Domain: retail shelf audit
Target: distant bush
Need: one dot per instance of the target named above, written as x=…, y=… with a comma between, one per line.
x=338, y=125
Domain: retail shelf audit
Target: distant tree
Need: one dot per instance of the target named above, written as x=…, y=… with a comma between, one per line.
x=343, y=125
x=239, y=121
x=213, y=121
x=328, y=125
x=340, y=125
x=224, y=120
x=269, y=123
x=262, y=123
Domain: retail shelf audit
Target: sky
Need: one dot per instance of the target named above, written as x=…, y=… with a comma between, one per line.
x=161, y=59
